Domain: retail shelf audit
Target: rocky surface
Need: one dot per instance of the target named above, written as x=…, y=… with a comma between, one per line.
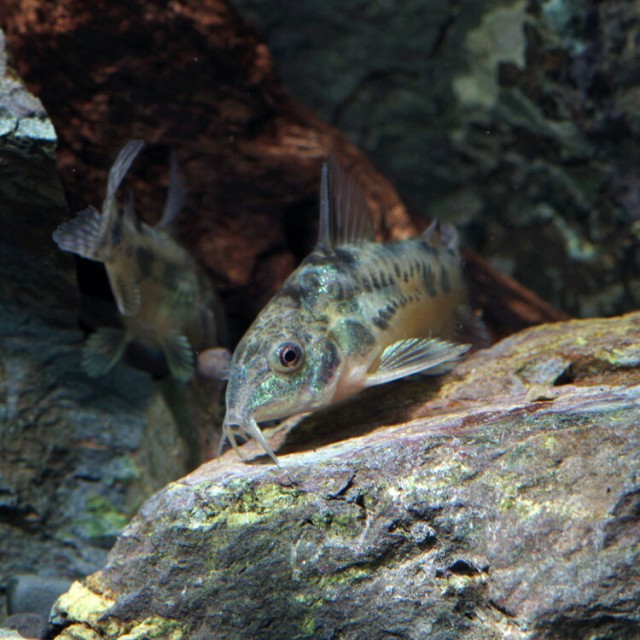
x=504, y=504
x=77, y=456
x=408, y=501
x=519, y=120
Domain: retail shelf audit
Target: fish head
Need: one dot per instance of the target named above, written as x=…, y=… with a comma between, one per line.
x=283, y=365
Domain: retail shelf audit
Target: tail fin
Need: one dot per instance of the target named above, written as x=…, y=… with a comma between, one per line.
x=82, y=235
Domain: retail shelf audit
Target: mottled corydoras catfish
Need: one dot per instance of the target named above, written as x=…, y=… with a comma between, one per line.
x=163, y=299
x=354, y=314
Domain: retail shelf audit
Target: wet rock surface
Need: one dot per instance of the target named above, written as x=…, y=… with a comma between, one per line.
x=519, y=121
x=505, y=506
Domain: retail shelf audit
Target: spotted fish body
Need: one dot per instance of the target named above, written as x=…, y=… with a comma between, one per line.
x=355, y=313
x=163, y=299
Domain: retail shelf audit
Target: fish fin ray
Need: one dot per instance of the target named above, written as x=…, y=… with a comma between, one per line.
x=126, y=291
x=122, y=163
x=176, y=195
x=82, y=235
x=416, y=355
x=129, y=211
x=179, y=355
x=345, y=217
x=103, y=350
x=442, y=235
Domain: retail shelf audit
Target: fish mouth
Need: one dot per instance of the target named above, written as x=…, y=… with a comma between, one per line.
x=247, y=427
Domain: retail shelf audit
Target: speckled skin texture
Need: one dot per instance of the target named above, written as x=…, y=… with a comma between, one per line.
x=343, y=308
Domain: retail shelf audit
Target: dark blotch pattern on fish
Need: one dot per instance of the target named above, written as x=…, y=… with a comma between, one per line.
x=294, y=291
x=145, y=260
x=356, y=335
x=171, y=276
x=428, y=279
x=116, y=233
x=385, y=314
x=346, y=259
x=445, y=280
x=329, y=363
x=381, y=323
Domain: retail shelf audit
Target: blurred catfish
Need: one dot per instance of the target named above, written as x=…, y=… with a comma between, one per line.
x=354, y=314
x=164, y=300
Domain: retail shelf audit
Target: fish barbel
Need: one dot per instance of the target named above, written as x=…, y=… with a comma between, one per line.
x=354, y=314
x=163, y=298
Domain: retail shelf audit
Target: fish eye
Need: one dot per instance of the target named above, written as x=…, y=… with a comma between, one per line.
x=288, y=357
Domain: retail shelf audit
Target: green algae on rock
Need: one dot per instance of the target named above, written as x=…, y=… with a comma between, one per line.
x=486, y=513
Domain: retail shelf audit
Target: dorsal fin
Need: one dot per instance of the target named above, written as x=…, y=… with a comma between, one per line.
x=176, y=195
x=117, y=173
x=442, y=235
x=121, y=165
x=129, y=211
x=345, y=217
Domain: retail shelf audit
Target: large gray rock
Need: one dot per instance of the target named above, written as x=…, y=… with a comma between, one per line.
x=519, y=121
x=503, y=505
x=77, y=455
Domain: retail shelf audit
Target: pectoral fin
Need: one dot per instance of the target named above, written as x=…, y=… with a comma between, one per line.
x=103, y=350
x=126, y=292
x=179, y=355
x=415, y=355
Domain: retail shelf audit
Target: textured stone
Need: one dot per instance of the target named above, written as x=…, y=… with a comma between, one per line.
x=503, y=505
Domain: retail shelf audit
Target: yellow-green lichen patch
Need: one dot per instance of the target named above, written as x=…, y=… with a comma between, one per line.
x=155, y=628
x=79, y=632
x=102, y=520
x=308, y=621
x=348, y=576
x=252, y=503
x=629, y=356
x=81, y=604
